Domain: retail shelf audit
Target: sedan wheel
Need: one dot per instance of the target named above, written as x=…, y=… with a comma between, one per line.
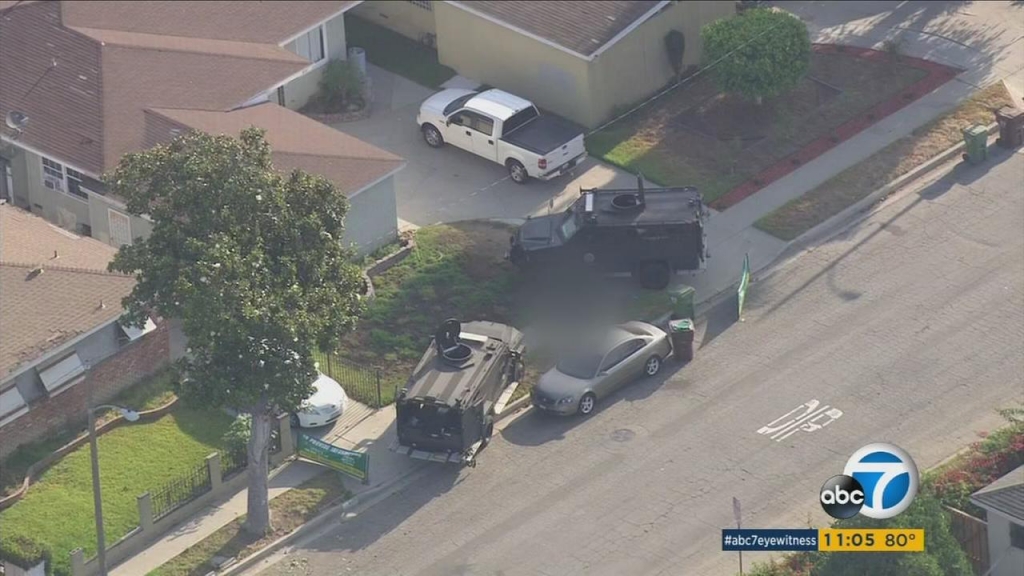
x=294, y=420
x=652, y=366
x=587, y=403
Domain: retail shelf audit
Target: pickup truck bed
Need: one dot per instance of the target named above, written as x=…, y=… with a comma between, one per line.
x=543, y=134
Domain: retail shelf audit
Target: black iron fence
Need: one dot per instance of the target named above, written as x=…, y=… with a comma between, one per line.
x=181, y=491
x=233, y=461
x=360, y=382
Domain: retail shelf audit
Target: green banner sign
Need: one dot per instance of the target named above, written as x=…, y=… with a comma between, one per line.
x=744, y=284
x=355, y=464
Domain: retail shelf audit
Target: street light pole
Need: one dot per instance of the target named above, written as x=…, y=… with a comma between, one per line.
x=101, y=545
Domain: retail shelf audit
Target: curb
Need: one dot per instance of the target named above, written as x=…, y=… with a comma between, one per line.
x=512, y=408
x=334, y=512
x=337, y=511
x=837, y=222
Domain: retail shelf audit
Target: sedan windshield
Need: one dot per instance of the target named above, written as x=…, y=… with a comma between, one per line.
x=457, y=103
x=579, y=366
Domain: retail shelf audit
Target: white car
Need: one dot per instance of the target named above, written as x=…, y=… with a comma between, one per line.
x=503, y=128
x=326, y=405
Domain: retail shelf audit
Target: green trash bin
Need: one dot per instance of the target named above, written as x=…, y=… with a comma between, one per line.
x=975, y=144
x=682, y=302
x=681, y=333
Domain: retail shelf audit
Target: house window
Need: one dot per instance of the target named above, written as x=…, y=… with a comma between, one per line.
x=74, y=178
x=425, y=4
x=311, y=45
x=12, y=405
x=58, y=177
x=61, y=373
x=53, y=175
x=1017, y=536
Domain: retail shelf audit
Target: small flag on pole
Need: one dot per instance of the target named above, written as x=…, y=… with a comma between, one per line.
x=741, y=293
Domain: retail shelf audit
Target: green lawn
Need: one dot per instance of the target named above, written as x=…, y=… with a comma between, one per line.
x=57, y=511
x=396, y=53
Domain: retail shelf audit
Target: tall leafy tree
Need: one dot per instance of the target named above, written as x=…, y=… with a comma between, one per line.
x=252, y=262
x=759, y=54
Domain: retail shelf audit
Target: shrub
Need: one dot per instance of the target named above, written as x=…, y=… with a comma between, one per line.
x=942, y=554
x=341, y=85
x=675, y=46
x=759, y=54
x=237, y=436
x=25, y=553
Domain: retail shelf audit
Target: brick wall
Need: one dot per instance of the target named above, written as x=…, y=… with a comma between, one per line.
x=103, y=381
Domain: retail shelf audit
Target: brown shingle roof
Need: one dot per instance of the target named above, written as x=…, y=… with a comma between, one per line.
x=580, y=26
x=39, y=311
x=195, y=45
x=297, y=142
x=63, y=102
x=124, y=57
x=262, y=22
x=136, y=79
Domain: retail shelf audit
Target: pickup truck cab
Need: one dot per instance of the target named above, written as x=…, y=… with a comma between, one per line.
x=503, y=128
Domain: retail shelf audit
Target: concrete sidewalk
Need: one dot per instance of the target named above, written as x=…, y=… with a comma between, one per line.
x=372, y=435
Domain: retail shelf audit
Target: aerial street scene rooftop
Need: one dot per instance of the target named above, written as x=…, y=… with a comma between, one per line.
x=511, y=288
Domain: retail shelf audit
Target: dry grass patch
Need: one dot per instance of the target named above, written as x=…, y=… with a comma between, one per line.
x=288, y=511
x=857, y=182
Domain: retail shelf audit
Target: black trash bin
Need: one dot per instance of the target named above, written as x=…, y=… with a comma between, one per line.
x=1011, y=127
x=681, y=333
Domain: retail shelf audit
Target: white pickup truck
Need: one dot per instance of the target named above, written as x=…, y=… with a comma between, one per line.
x=503, y=128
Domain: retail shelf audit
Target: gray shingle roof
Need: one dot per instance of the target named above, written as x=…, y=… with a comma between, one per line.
x=1005, y=495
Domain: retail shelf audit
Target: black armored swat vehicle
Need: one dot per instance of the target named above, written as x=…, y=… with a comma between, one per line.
x=648, y=234
x=445, y=412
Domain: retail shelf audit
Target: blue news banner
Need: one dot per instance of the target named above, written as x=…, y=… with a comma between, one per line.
x=769, y=540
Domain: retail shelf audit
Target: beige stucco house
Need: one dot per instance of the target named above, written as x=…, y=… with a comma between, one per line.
x=582, y=60
x=100, y=79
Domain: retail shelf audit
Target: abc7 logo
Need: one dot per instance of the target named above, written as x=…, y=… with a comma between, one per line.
x=879, y=481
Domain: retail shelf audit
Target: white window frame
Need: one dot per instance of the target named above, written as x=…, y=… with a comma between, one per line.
x=19, y=406
x=58, y=377
x=59, y=177
x=53, y=174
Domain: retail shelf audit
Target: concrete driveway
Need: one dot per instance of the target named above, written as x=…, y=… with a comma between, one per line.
x=449, y=184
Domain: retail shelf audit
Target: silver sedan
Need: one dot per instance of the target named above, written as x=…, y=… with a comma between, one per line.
x=619, y=356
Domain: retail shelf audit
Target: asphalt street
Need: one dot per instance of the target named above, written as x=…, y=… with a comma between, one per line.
x=908, y=328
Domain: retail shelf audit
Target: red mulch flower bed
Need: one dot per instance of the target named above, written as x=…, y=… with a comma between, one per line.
x=938, y=74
